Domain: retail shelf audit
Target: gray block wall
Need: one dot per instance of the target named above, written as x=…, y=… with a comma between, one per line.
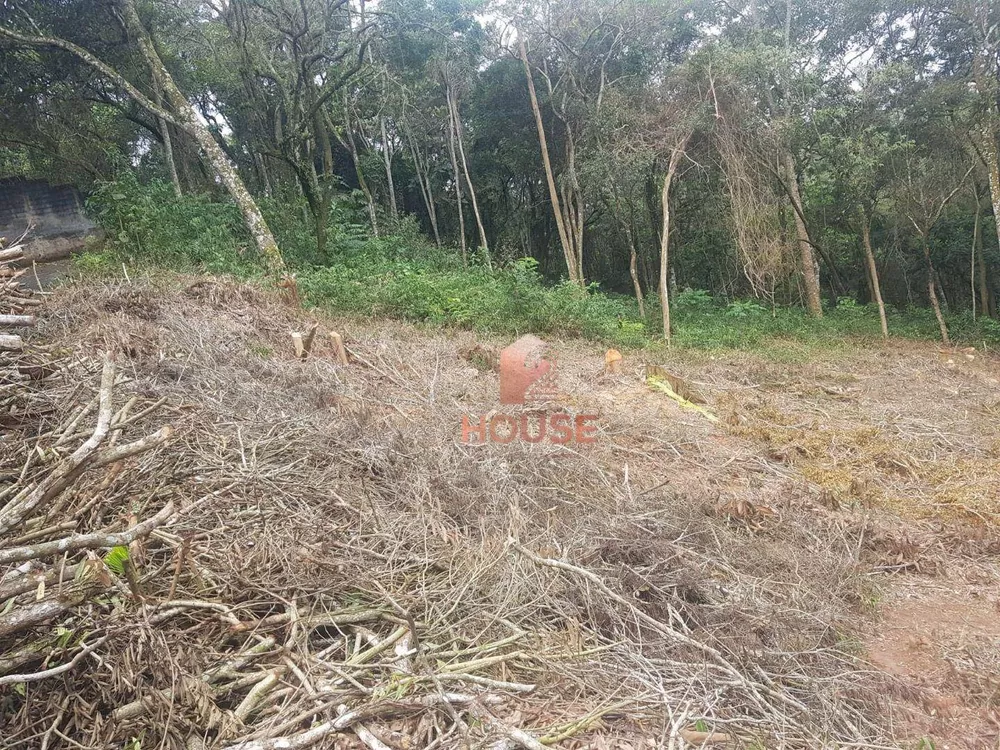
x=51, y=209
x=54, y=213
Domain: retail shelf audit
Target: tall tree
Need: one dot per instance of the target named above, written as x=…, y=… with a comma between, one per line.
x=925, y=187
x=181, y=113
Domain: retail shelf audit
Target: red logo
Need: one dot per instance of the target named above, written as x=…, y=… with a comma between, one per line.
x=525, y=376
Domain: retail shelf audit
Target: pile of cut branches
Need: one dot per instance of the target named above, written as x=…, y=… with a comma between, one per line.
x=314, y=560
x=15, y=300
x=53, y=526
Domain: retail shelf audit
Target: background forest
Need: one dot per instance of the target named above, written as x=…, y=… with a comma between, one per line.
x=552, y=165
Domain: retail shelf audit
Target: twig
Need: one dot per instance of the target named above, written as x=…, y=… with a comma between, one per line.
x=12, y=679
x=63, y=475
x=86, y=541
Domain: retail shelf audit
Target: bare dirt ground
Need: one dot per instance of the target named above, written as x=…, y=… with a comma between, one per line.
x=819, y=568
x=902, y=443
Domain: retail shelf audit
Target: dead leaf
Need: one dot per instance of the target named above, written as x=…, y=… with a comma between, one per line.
x=696, y=738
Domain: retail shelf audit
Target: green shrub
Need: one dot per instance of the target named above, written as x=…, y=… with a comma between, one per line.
x=693, y=299
x=744, y=309
x=148, y=224
x=405, y=276
x=389, y=278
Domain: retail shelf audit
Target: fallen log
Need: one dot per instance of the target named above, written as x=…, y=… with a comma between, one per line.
x=10, y=343
x=21, y=321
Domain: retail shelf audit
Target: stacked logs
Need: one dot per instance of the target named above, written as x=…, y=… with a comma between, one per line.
x=16, y=301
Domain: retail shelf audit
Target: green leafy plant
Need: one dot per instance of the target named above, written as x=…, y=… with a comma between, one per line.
x=744, y=309
x=693, y=299
x=116, y=559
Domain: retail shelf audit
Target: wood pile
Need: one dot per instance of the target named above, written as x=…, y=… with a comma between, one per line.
x=53, y=527
x=16, y=301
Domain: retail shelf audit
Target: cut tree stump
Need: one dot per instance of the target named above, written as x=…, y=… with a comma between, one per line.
x=338, y=347
x=612, y=362
x=307, y=342
x=304, y=343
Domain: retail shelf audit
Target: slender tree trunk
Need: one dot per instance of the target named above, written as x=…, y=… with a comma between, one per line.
x=458, y=191
x=318, y=201
x=387, y=161
x=932, y=290
x=168, y=148
x=992, y=159
x=986, y=305
x=168, y=151
x=972, y=258
x=942, y=292
x=457, y=125
x=573, y=205
x=564, y=239
x=807, y=260
x=675, y=159
x=322, y=222
x=633, y=269
x=185, y=170
x=426, y=190
x=265, y=175
x=985, y=74
x=868, y=285
x=352, y=148
x=866, y=236
x=326, y=148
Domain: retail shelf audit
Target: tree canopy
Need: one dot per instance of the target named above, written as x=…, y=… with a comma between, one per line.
x=799, y=152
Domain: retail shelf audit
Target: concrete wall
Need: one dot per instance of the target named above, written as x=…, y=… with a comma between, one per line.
x=54, y=212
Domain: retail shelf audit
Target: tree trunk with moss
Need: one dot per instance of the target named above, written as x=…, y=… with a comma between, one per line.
x=807, y=260
x=183, y=116
x=185, y=113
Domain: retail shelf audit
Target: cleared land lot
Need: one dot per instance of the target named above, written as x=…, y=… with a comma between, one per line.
x=816, y=568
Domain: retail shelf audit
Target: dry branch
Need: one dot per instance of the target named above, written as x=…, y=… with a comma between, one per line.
x=11, y=254
x=10, y=343
x=350, y=718
x=86, y=541
x=63, y=475
x=54, y=671
x=20, y=321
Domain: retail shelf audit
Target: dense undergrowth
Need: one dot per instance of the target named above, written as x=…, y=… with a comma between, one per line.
x=402, y=275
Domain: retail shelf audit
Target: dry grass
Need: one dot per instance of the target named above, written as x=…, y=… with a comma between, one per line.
x=910, y=429
x=337, y=545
